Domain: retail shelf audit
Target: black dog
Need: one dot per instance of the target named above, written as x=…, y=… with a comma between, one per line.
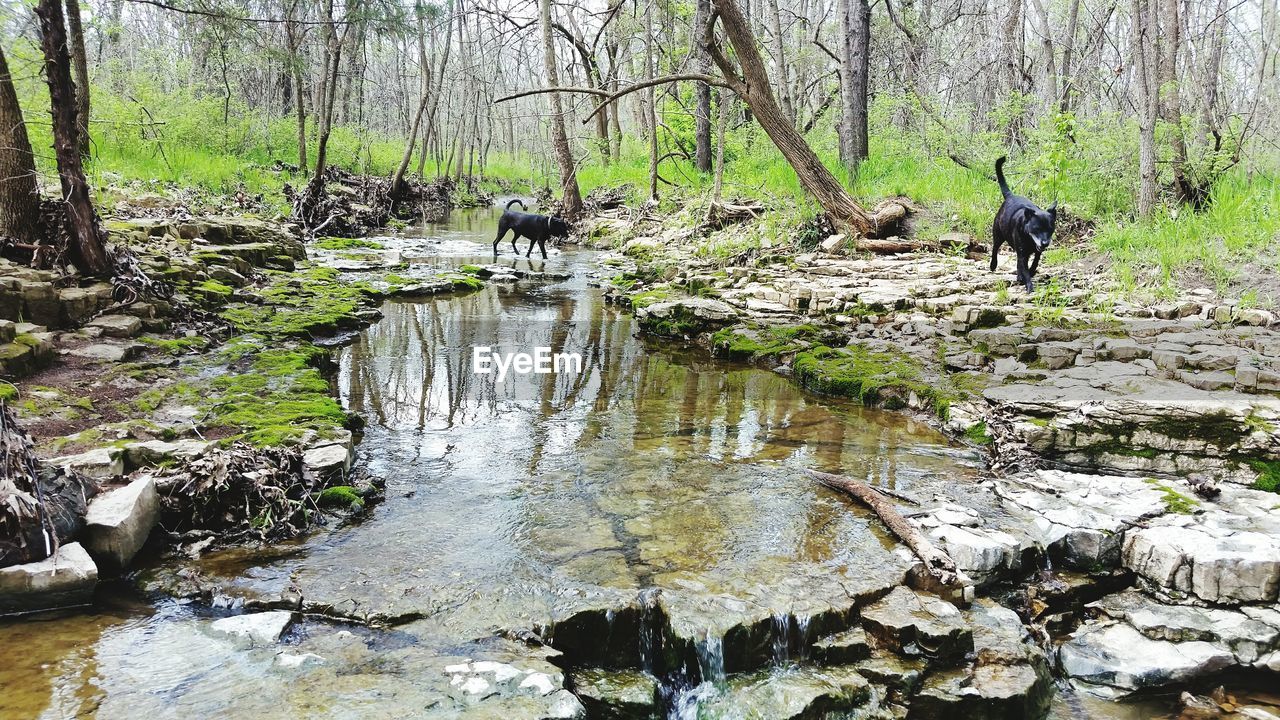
x=535, y=227
x=1023, y=225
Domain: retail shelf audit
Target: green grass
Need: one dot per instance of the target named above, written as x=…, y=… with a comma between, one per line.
x=1268, y=475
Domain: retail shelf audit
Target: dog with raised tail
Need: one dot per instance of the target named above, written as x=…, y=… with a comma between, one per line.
x=1024, y=226
x=535, y=227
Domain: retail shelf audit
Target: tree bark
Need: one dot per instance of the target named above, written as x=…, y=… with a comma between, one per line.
x=572, y=200
x=1068, y=55
x=651, y=101
x=329, y=85
x=1212, y=69
x=80, y=68
x=855, y=22
x=19, y=187
x=1148, y=100
x=780, y=60
x=702, y=92
x=724, y=104
x=936, y=562
x=1012, y=51
x=85, y=238
x=397, y=179
x=299, y=92
x=1170, y=96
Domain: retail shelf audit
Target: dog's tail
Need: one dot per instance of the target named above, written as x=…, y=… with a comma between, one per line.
x=1004, y=186
x=517, y=200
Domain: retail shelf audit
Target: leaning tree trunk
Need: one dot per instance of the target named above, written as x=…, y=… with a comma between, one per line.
x=753, y=87
x=85, y=238
x=19, y=188
x=572, y=201
x=397, y=180
x=80, y=65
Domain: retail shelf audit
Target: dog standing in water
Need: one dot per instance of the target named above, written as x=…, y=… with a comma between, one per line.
x=1023, y=225
x=535, y=227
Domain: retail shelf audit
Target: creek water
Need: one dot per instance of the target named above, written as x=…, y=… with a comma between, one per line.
x=542, y=504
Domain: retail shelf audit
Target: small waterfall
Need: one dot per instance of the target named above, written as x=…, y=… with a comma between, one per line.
x=781, y=639
x=650, y=633
x=802, y=632
x=711, y=659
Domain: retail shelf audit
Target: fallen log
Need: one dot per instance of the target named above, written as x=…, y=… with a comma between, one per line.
x=888, y=246
x=939, y=566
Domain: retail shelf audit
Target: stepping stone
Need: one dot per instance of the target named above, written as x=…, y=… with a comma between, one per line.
x=64, y=580
x=264, y=628
x=913, y=624
x=97, y=463
x=119, y=522
x=119, y=326
x=843, y=648
x=108, y=351
x=1115, y=660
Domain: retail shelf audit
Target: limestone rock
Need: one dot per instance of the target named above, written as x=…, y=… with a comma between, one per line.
x=118, y=326
x=1113, y=659
x=914, y=624
x=1236, y=568
x=119, y=522
x=263, y=628
x=789, y=694
x=97, y=463
x=63, y=580
x=618, y=694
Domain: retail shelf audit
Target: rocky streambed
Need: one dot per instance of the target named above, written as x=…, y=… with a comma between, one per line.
x=639, y=539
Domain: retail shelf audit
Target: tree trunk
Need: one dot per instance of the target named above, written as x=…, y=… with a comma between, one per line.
x=80, y=68
x=780, y=59
x=1050, y=60
x=702, y=92
x=1148, y=99
x=1212, y=68
x=572, y=200
x=1068, y=55
x=19, y=187
x=724, y=102
x=329, y=91
x=651, y=100
x=85, y=239
x=1171, y=97
x=855, y=22
x=299, y=92
x=753, y=87
x=397, y=179
x=1012, y=51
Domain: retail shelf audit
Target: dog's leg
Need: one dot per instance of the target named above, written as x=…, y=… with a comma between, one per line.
x=1024, y=275
x=1035, y=262
x=542, y=245
x=995, y=249
x=532, y=242
x=514, y=238
x=501, y=231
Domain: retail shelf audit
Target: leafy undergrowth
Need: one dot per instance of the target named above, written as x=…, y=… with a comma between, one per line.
x=1268, y=475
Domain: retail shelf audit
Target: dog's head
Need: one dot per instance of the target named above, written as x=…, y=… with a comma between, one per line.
x=1039, y=225
x=558, y=227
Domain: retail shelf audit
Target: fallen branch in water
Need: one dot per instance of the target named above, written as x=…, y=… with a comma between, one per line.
x=937, y=563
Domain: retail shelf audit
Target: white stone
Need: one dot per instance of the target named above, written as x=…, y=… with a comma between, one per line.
x=1238, y=568
x=262, y=628
x=328, y=459
x=539, y=682
x=99, y=463
x=1122, y=658
x=476, y=686
x=119, y=521
x=290, y=660
x=65, y=579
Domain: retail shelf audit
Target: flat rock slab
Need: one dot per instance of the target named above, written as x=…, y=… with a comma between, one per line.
x=913, y=624
x=617, y=694
x=1250, y=634
x=329, y=459
x=64, y=580
x=118, y=326
x=788, y=694
x=264, y=628
x=108, y=351
x=1232, y=569
x=119, y=522
x=99, y=463
x=1114, y=659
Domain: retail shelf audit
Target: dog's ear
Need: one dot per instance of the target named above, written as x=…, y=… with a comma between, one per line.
x=1053, y=214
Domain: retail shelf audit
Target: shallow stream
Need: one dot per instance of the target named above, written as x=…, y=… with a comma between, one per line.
x=572, y=506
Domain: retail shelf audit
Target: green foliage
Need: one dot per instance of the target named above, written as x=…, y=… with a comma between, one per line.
x=978, y=435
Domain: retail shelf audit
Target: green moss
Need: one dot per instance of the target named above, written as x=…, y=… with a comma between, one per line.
x=337, y=243
x=1258, y=424
x=868, y=376
x=213, y=289
x=343, y=496
x=27, y=339
x=753, y=344
x=176, y=346
x=471, y=269
x=977, y=434
x=652, y=296
x=1268, y=479
x=8, y=391
x=466, y=283
x=1174, y=501
x=302, y=303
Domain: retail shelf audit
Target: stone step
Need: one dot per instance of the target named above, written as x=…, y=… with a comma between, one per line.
x=119, y=522
x=65, y=580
